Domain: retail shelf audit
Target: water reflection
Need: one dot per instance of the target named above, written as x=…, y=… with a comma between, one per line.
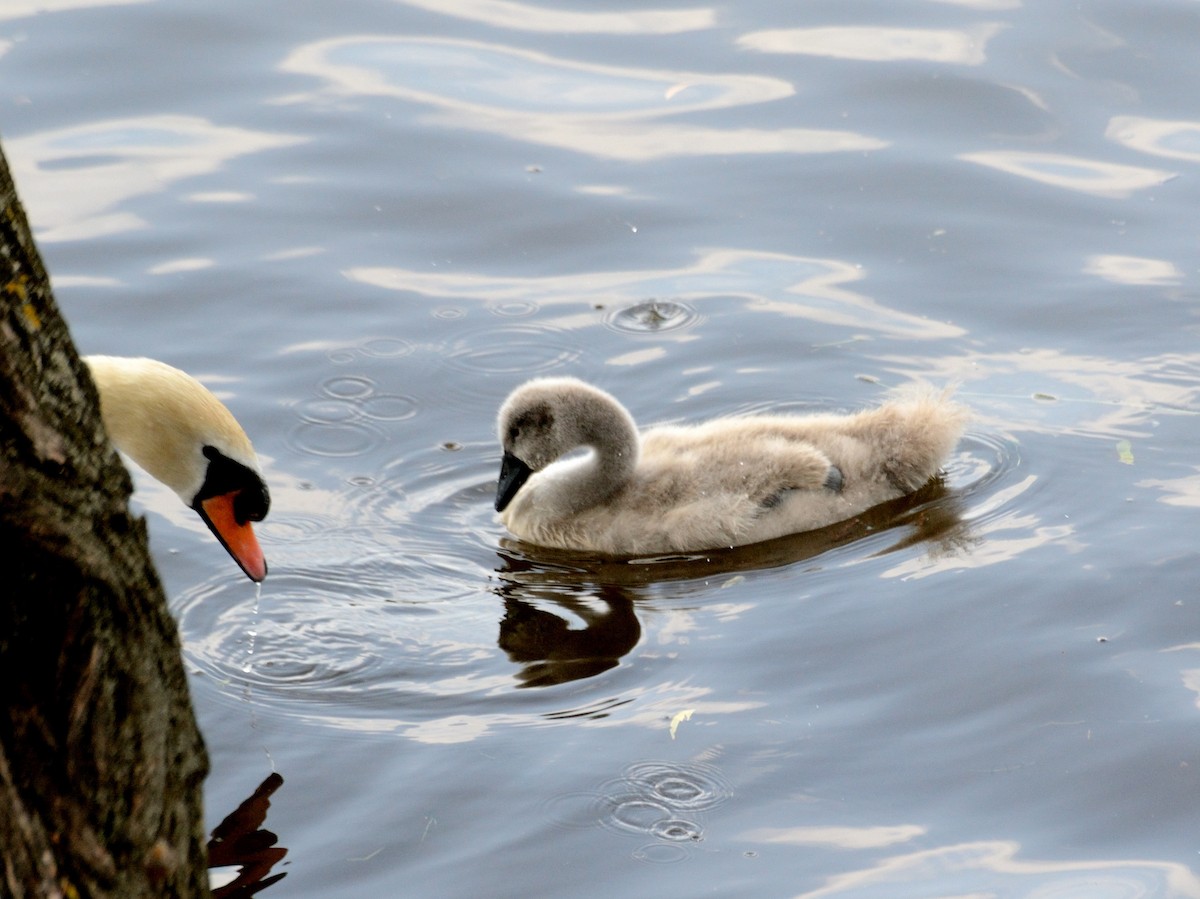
x=550, y=651
x=931, y=514
x=865, y=43
x=241, y=853
x=496, y=80
x=1182, y=491
x=598, y=110
x=1133, y=270
x=548, y=19
x=837, y=837
x=993, y=868
x=20, y=9
x=74, y=179
x=1089, y=176
x=601, y=594
x=999, y=532
x=985, y=5
x=1158, y=137
x=1053, y=391
x=775, y=283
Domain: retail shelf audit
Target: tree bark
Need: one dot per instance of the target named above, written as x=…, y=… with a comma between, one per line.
x=101, y=761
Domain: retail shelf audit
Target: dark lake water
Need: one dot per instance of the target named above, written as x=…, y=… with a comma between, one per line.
x=363, y=223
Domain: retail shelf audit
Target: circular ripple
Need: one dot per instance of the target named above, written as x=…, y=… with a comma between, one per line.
x=297, y=527
x=660, y=853
x=389, y=407
x=981, y=460
x=654, y=799
x=295, y=639
x=513, y=349
x=362, y=640
x=691, y=787
x=333, y=440
x=445, y=496
x=513, y=309
x=348, y=387
x=377, y=614
x=386, y=347
x=574, y=811
x=677, y=830
x=325, y=410
x=650, y=797
x=653, y=317
x=633, y=814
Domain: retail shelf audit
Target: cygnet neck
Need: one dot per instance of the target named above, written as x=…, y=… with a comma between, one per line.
x=609, y=431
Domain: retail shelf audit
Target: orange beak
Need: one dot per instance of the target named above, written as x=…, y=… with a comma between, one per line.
x=237, y=538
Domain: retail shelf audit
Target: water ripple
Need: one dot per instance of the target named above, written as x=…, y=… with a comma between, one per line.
x=658, y=799
x=691, y=786
x=983, y=460
x=652, y=798
x=386, y=347
x=511, y=349
x=514, y=309
x=334, y=439
x=607, y=111
x=348, y=387
x=389, y=407
x=376, y=615
x=653, y=316
x=344, y=420
x=660, y=853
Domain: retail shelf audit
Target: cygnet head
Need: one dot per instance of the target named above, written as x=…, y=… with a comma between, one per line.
x=546, y=418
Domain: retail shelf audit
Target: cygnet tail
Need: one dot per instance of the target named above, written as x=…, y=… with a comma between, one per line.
x=916, y=431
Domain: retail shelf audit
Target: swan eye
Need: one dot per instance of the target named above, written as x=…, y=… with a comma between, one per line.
x=513, y=433
x=224, y=476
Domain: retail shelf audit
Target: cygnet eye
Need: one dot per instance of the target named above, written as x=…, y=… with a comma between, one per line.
x=513, y=433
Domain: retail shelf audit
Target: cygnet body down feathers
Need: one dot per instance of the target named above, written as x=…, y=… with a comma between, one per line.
x=726, y=482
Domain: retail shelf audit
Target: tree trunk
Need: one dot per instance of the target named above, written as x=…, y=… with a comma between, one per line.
x=101, y=762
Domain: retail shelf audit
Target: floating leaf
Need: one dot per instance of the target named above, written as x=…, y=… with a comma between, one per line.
x=1125, y=451
x=679, y=718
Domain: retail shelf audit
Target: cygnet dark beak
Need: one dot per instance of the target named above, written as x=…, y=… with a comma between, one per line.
x=513, y=473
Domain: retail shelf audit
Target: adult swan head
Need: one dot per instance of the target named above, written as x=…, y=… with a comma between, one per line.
x=726, y=482
x=173, y=427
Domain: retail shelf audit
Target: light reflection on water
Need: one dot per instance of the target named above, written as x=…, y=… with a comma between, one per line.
x=997, y=868
x=1058, y=392
x=1089, y=176
x=598, y=110
x=1174, y=140
x=546, y=18
x=967, y=47
x=78, y=178
x=990, y=687
x=772, y=283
